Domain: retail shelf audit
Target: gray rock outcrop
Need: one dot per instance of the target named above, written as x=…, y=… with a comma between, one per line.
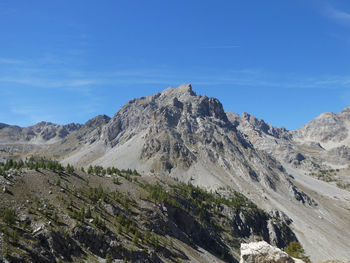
x=262, y=252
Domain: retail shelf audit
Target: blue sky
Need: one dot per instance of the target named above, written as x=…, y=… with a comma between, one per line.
x=68, y=61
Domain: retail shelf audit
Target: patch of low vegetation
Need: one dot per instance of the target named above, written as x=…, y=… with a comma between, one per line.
x=323, y=173
x=343, y=185
x=295, y=250
x=198, y=201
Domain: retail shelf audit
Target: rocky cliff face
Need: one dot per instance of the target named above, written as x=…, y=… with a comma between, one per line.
x=324, y=140
x=317, y=151
x=248, y=122
x=331, y=132
x=177, y=129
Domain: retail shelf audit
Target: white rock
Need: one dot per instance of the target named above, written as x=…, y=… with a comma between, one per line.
x=262, y=252
x=37, y=230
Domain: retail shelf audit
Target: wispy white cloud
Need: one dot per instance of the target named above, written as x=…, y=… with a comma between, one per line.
x=221, y=47
x=56, y=76
x=31, y=114
x=52, y=73
x=263, y=79
x=38, y=82
x=339, y=16
x=10, y=61
x=49, y=72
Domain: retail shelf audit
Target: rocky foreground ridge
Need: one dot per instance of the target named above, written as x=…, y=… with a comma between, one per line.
x=189, y=137
x=51, y=213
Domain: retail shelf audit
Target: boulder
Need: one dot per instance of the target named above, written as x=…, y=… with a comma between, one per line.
x=263, y=252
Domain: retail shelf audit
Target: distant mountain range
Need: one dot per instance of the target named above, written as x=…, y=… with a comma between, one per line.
x=177, y=133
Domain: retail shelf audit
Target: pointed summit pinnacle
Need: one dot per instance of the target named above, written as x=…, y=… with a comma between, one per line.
x=185, y=88
x=182, y=89
x=347, y=109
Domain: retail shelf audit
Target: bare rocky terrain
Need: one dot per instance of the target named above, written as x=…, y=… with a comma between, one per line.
x=302, y=174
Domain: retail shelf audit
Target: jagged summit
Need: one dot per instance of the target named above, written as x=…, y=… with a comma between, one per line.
x=346, y=109
x=173, y=108
x=248, y=124
x=329, y=129
x=185, y=89
x=188, y=136
x=3, y=125
x=98, y=120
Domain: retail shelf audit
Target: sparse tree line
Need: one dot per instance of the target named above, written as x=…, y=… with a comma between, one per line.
x=34, y=164
x=202, y=200
x=53, y=165
x=99, y=170
x=123, y=223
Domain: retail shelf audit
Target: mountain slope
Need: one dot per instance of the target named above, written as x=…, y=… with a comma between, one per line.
x=190, y=137
x=329, y=129
x=301, y=154
x=53, y=214
x=48, y=139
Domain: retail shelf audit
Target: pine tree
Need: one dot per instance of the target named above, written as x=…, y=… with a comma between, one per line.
x=90, y=170
x=88, y=213
x=135, y=239
x=15, y=237
x=119, y=228
x=109, y=258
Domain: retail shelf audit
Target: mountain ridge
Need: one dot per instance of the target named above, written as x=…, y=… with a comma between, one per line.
x=190, y=137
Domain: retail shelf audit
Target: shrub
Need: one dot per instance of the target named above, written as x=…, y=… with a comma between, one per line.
x=8, y=215
x=109, y=258
x=295, y=249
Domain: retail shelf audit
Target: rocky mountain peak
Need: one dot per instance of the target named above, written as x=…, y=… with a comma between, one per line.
x=172, y=132
x=41, y=125
x=326, y=115
x=184, y=98
x=248, y=122
x=191, y=138
x=98, y=121
x=3, y=125
x=347, y=109
x=173, y=108
x=185, y=89
x=329, y=129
